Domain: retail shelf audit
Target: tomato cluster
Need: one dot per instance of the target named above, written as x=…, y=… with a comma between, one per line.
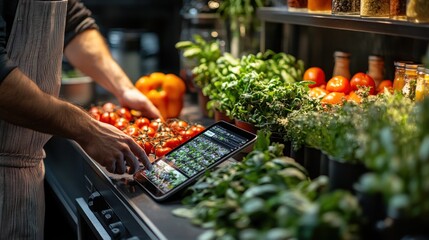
x=339, y=88
x=155, y=136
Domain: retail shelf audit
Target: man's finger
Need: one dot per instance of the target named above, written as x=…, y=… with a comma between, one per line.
x=141, y=156
x=133, y=162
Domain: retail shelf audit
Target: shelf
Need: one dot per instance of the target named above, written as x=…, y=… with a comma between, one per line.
x=350, y=23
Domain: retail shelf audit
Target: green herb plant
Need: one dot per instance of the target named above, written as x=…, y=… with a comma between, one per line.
x=268, y=196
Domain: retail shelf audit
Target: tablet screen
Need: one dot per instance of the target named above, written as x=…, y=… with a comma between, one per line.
x=182, y=165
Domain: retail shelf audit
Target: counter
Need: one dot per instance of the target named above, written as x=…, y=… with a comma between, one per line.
x=86, y=192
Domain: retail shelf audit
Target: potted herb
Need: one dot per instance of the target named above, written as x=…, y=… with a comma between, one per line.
x=397, y=152
x=204, y=54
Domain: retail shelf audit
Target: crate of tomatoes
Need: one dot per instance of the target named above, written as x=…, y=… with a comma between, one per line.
x=155, y=136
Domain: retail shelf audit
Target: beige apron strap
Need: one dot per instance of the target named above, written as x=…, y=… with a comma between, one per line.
x=36, y=45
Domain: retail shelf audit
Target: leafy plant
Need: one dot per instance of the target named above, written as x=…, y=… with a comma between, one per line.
x=205, y=54
x=395, y=145
x=268, y=196
x=242, y=22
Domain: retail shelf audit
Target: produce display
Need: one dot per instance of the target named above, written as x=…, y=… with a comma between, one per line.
x=165, y=91
x=339, y=89
x=373, y=134
x=155, y=136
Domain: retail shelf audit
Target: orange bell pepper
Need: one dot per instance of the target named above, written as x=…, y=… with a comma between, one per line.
x=165, y=91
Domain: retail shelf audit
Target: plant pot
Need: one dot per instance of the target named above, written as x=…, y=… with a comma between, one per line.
x=324, y=164
x=279, y=139
x=221, y=116
x=245, y=126
x=343, y=175
x=373, y=211
x=297, y=154
x=404, y=228
x=312, y=161
x=202, y=103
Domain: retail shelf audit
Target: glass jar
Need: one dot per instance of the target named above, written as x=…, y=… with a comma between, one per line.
x=418, y=11
x=375, y=8
x=376, y=68
x=422, y=87
x=410, y=78
x=346, y=7
x=297, y=5
x=342, y=64
x=322, y=6
x=398, y=9
x=399, y=78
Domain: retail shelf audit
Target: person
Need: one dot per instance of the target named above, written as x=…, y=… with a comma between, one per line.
x=34, y=35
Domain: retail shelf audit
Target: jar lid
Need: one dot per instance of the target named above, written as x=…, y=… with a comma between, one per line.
x=401, y=63
x=412, y=65
x=341, y=54
x=375, y=58
x=423, y=69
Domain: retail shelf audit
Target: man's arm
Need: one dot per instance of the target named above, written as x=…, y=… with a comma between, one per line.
x=23, y=103
x=89, y=53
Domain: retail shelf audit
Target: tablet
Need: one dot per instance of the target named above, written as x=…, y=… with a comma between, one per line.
x=183, y=165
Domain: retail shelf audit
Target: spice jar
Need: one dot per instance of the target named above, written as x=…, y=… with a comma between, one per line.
x=342, y=64
x=399, y=78
x=398, y=9
x=323, y=6
x=376, y=68
x=418, y=11
x=297, y=5
x=422, y=87
x=346, y=7
x=374, y=8
x=410, y=78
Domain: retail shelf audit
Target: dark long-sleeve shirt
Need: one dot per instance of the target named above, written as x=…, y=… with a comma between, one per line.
x=78, y=20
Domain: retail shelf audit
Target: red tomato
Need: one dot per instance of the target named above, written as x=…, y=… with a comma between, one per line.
x=384, y=84
x=132, y=130
x=361, y=79
x=172, y=142
x=95, y=112
x=148, y=131
x=338, y=84
x=187, y=134
x=333, y=98
x=141, y=122
x=109, y=117
x=197, y=128
x=109, y=107
x=146, y=145
x=125, y=113
x=178, y=125
x=161, y=151
x=121, y=123
x=316, y=75
x=156, y=124
x=317, y=93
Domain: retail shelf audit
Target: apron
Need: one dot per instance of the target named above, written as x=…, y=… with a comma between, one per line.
x=36, y=45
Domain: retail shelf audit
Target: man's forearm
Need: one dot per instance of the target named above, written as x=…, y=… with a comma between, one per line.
x=23, y=103
x=89, y=53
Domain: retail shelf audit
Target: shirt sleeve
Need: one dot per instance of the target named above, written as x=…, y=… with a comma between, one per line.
x=6, y=65
x=79, y=19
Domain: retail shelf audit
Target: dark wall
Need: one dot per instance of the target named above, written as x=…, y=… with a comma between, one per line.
x=161, y=17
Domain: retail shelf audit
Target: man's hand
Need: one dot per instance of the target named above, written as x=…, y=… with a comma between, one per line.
x=134, y=99
x=113, y=149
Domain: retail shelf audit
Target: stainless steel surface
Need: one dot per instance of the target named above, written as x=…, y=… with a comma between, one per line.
x=78, y=176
